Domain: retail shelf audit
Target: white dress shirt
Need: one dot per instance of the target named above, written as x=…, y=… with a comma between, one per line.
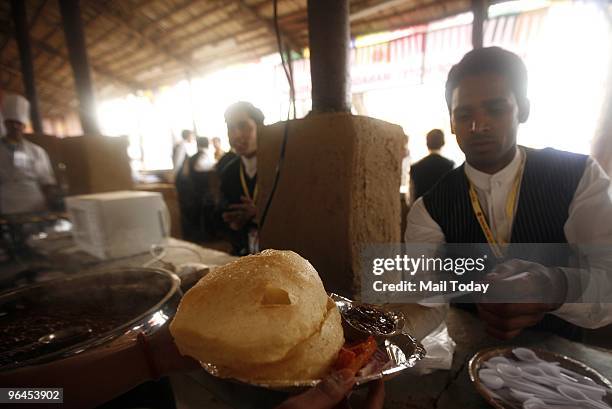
x=24, y=168
x=589, y=222
x=250, y=166
x=182, y=151
x=205, y=162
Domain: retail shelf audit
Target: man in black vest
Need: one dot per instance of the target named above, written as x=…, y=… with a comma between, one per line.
x=506, y=193
x=425, y=173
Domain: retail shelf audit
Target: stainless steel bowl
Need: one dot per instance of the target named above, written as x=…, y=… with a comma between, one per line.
x=64, y=317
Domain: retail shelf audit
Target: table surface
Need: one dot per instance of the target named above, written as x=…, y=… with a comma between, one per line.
x=442, y=389
x=60, y=257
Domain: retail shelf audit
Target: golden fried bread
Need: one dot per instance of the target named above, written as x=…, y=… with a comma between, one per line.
x=265, y=316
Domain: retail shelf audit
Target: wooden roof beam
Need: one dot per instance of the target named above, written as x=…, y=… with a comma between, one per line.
x=296, y=15
x=31, y=24
x=90, y=44
x=143, y=64
x=180, y=7
x=46, y=82
x=127, y=83
x=249, y=39
x=241, y=47
x=22, y=36
x=299, y=19
x=365, y=11
x=114, y=54
x=425, y=9
x=253, y=52
x=38, y=13
x=101, y=71
x=302, y=14
x=231, y=59
x=139, y=59
x=240, y=56
x=269, y=24
x=107, y=12
x=212, y=8
x=59, y=91
x=358, y=12
x=249, y=31
x=203, y=30
x=49, y=95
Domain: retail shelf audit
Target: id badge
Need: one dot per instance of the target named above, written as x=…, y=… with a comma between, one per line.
x=253, y=241
x=20, y=159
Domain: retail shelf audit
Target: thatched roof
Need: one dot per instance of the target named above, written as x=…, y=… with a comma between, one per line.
x=143, y=44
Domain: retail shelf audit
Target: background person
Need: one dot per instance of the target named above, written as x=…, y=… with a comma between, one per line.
x=184, y=186
x=239, y=177
x=425, y=173
x=27, y=181
x=200, y=168
x=219, y=152
x=184, y=149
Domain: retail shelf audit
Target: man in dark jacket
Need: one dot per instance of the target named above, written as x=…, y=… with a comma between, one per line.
x=239, y=178
x=425, y=173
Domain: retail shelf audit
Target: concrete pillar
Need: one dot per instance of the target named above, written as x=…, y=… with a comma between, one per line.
x=338, y=191
x=329, y=40
x=77, y=53
x=22, y=35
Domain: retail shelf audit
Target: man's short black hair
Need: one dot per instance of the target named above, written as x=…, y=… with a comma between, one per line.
x=186, y=133
x=251, y=110
x=490, y=60
x=202, y=142
x=435, y=139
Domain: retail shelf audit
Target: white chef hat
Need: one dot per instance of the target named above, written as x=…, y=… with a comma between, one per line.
x=16, y=108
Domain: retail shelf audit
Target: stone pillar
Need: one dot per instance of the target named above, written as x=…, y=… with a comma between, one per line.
x=338, y=191
x=77, y=53
x=329, y=40
x=22, y=35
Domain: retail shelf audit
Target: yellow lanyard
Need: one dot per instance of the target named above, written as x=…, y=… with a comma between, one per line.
x=245, y=187
x=494, y=243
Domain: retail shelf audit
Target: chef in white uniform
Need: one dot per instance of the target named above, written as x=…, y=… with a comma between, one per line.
x=25, y=170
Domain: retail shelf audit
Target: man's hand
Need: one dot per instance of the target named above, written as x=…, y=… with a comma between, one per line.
x=240, y=213
x=506, y=321
x=166, y=355
x=331, y=393
x=534, y=290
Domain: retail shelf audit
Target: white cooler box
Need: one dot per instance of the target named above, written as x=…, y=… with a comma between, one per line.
x=118, y=224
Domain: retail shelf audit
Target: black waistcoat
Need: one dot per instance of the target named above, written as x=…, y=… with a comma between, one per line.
x=549, y=181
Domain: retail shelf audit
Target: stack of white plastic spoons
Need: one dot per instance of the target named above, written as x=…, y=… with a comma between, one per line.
x=540, y=384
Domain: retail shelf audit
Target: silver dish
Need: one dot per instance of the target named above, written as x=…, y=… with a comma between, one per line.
x=57, y=319
x=396, y=353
